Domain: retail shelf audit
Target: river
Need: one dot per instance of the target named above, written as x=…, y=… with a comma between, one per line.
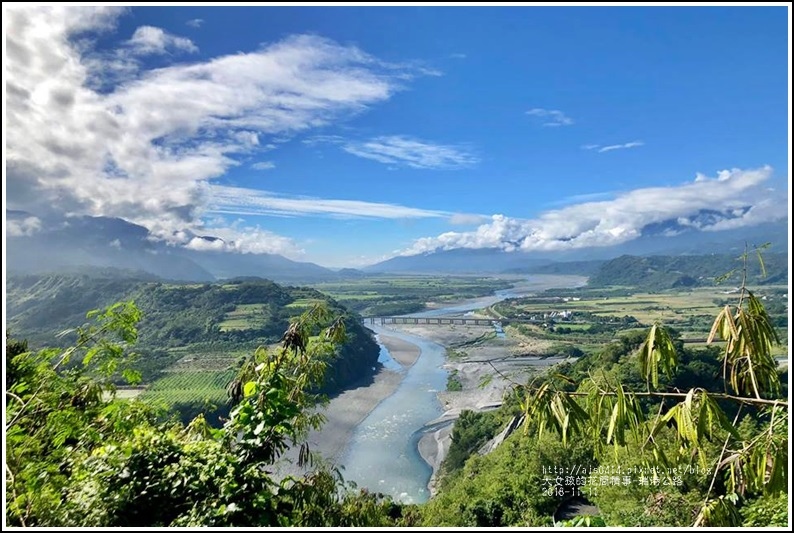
x=383, y=455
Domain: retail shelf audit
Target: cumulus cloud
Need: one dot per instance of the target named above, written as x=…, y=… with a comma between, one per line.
x=240, y=238
x=241, y=201
x=601, y=149
x=551, y=117
x=145, y=146
x=148, y=40
x=263, y=165
x=195, y=23
x=732, y=199
x=401, y=150
x=21, y=227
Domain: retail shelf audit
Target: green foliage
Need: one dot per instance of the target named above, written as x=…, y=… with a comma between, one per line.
x=453, y=382
x=14, y=348
x=509, y=486
x=658, y=349
x=57, y=410
x=666, y=272
x=472, y=429
x=78, y=457
x=767, y=511
x=606, y=410
x=749, y=335
x=657, y=494
x=583, y=521
x=185, y=319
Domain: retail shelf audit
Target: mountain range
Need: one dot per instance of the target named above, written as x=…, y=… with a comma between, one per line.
x=658, y=239
x=77, y=242
x=74, y=243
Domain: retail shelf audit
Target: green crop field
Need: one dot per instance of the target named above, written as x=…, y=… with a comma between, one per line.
x=190, y=387
x=303, y=303
x=398, y=294
x=691, y=312
x=645, y=307
x=244, y=316
x=196, y=361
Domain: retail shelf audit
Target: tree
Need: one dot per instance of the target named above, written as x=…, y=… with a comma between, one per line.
x=77, y=456
x=743, y=467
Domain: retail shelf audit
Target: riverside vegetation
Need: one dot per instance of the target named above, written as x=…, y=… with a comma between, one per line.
x=79, y=455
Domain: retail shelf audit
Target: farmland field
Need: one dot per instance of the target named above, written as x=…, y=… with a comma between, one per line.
x=399, y=294
x=244, y=316
x=303, y=303
x=191, y=360
x=596, y=313
x=190, y=387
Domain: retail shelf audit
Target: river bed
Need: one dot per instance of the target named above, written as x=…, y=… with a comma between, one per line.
x=383, y=455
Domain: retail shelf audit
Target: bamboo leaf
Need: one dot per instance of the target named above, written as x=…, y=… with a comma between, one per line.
x=760, y=257
x=612, y=422
x=717, y=327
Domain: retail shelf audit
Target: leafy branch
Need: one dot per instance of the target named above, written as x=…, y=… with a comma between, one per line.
x=610, y=413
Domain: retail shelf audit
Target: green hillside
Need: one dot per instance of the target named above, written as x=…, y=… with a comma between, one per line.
x=668, y=272
x=196, y=330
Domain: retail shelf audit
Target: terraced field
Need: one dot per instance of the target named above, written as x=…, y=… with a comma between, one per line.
x=244, y=316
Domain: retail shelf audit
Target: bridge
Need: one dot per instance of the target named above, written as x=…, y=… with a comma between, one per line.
x=433, y=321
x=456, y=320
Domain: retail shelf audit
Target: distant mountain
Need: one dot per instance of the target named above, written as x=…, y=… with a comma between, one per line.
x=71, y=243
x=270, y=266
x=67, y=245
x=669, y=272
x=576, y=268
x=351, y=273
x=459, y=261
x=669, y=238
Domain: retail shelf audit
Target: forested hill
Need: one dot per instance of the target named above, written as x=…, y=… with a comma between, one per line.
x=218, y=321
x=667, y=272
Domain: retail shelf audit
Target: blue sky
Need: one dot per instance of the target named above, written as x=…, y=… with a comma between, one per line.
x=348, y=135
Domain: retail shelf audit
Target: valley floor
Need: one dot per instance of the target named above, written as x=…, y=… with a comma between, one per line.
x=473, y=355
x=348, y=409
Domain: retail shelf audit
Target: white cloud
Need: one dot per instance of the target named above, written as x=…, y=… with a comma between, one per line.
x=238, y=238
x=552, y=117
x=149, y=40
x=195, y=23
x=466, y=219
x=145, y=147
x=241, y=201
x=601, y=149
x=734, y=198
x=206, y=245
x=21, y=227
x=587, y=197
x=263, y=165
x=401, y=150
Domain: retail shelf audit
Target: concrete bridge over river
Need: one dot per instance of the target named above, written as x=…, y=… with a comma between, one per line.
x=446, y=320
